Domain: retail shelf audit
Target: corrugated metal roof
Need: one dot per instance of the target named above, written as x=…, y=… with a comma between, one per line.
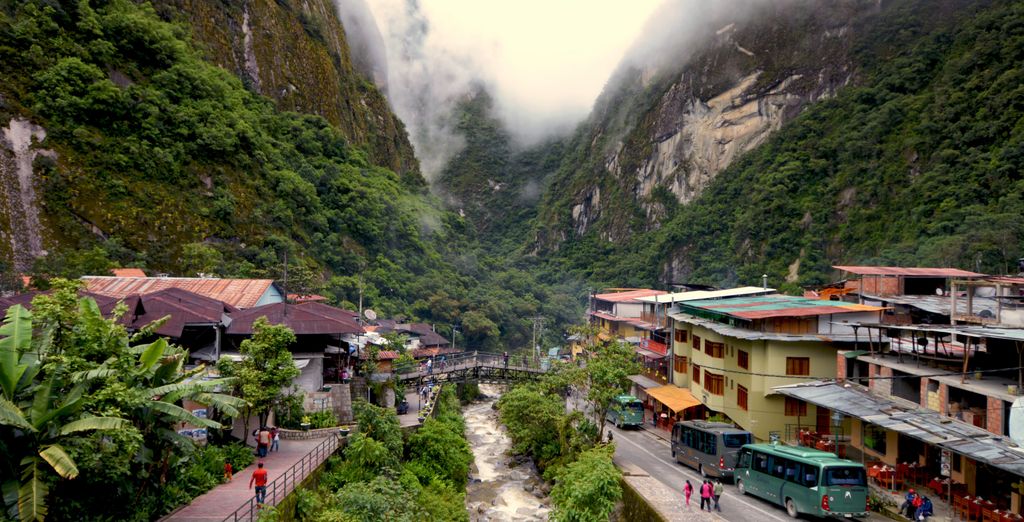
x=906, y=271
x=644, y=381
x=1009, y=280
x=128, y=272
x=762, y=307
x=694, y=295
x=240, y=293
x=629, y=295
x=923, y=424
x=755, y=335
x=302, y=319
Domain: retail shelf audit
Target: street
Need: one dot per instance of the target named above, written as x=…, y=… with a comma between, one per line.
x=641, y=448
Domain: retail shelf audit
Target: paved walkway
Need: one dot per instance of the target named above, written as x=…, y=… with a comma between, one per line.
x=410, y=419
x=224, y=499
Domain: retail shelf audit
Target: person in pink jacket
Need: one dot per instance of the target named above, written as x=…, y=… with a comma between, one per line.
x=705, y=495
x=687, y=491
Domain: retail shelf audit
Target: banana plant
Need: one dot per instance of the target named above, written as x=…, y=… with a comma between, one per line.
x=39, y=418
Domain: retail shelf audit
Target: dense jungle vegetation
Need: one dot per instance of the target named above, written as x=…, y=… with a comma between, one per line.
x=167, y=162
x=919, y=163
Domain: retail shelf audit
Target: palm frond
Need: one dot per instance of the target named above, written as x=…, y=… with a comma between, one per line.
x=17, y=334
x=11, y=415
x=59, y=460
x=93, y=424
x=33, y=491
x=179, y=414
x=152, y=353
x=96, y=373
x=228, y=404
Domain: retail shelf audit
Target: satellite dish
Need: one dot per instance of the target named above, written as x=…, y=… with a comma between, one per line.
x=370, y=315
x=1017, y=421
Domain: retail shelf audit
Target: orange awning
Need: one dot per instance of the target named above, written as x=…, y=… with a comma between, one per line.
x=675, y=398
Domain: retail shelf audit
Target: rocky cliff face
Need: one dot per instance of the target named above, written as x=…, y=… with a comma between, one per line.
x=661, y=133
x=19, y=211
x=296, y=53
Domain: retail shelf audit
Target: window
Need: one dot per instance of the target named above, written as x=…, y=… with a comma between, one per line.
x=696, y=374
x=680, y=363
x=761, y=462
x=681, y=336
x=874, y=438
x=703, y=441
x=778, y=466
x=735, y=440
x=955, y=457
x=743, y=359
x=714, y=349
x=696, y=342
x=845, y=476
x=795, y=407
x=798, y=366
x=741, y=397
x=810, y=476
x=714, y=383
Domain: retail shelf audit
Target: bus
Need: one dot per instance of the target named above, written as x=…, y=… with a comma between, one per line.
x=803, y=480
x=709, y=447
x=626, y=410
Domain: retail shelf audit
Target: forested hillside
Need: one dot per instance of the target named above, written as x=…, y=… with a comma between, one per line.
x=146, y=154
x=917, y=162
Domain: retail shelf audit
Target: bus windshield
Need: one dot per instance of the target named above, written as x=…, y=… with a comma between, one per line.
x=634, y=406
x=736, y=440
x=844, y=476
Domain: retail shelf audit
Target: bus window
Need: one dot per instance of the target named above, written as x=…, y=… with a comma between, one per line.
x=845, y=476
x=810, y=476
x=710, y=443
x=792, y=471
x=688, y=437
x=778, y=466
x=744, y=461
x=735, y=440
x=761, y=462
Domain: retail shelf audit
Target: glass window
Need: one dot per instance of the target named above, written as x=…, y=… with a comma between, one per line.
x=798, y=366
x=761, y=462
x=696, y=374
x=845, y=476
x=696, y=342
x=741, y=397
x=743, y=359
x=744, y=461
x=735, y=440
x=792, y=471
x=810, y=475
x=778, y=466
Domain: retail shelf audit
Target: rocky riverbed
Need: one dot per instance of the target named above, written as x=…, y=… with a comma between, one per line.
x=501, y=487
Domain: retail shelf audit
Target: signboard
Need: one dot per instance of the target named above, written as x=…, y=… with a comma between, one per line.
x=944, y=463
x=654, y=346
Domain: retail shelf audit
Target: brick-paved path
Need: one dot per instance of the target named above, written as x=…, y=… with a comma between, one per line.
x=224, y=499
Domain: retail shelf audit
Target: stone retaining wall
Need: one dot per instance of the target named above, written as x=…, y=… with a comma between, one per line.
x=306, y=435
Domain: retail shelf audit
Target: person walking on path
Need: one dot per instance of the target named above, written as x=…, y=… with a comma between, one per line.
x=705, y=495
x=718, y=490
x=262, y=442
x=504, y=357
x=228, y=471
x=687, y=491
x=260, y=478
x=275, y=439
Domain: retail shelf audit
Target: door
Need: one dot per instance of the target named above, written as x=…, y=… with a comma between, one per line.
x=824, y=421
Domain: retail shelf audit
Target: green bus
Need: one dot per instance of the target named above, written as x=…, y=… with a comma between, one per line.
x=626, y=410
x=803, y=480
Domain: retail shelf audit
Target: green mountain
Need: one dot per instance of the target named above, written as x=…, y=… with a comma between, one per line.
x=163, y=135
x=801, y=135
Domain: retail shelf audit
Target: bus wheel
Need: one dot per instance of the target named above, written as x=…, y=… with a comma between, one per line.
x=791, y=508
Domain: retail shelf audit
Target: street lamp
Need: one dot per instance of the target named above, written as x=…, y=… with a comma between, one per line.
x=837, y=422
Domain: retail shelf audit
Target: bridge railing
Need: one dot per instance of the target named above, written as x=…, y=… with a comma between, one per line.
x=474, y=359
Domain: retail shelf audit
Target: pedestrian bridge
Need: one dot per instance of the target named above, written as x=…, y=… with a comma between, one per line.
x=478, y=367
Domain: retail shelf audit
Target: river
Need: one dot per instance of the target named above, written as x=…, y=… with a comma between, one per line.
x=500, y=488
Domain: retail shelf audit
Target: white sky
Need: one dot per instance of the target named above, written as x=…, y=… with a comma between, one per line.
x=545, y=61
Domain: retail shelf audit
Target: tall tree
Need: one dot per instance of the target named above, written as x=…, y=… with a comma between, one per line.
x=265, y=370
x=606, y=376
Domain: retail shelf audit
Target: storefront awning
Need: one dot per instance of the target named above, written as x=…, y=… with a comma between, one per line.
x=853, y=354
x=922, y=424
x=675, y=398
x=645, y=383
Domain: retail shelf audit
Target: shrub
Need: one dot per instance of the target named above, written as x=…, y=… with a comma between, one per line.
x=587, y=489
x=323, y=419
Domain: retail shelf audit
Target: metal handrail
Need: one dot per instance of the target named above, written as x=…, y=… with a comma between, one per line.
x=459, y=362
x=288, y=481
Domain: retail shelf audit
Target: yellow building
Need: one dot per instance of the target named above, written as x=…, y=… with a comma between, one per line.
x=730, y=353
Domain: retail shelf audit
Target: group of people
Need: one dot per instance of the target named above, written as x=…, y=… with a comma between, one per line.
x=267, y=440
x=916, y=507
x=709, y=491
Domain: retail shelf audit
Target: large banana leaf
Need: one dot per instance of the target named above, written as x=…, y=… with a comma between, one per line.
x=93, y=424
x=33, y=491
x=11, y=415
x=96, y=373
x=179, y=414
x=17, y=334
x=152, y=353
x=59, y=460
x=229, y=404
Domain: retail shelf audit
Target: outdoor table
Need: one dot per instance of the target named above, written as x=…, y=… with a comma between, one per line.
x=960, y=509
x=990, y=515
x=1010, y=516
x=975, y=507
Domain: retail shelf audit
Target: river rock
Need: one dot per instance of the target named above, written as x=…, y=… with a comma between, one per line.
x=528, y=488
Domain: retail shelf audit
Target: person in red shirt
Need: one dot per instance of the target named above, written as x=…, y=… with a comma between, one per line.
x=260, y=478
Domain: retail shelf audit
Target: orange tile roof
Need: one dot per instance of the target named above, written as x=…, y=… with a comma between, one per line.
x=629, y=295
x=128, y=272
x=240, y=293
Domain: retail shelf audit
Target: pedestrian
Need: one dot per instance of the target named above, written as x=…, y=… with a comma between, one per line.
x=907, y=508
x=504, y=357
x=705, y=495
x=229, y=472
x=260, y=478
x=275, y=439
x=687, y=491
x=430, y=366
x=719, y=489
x=924, y=511
x=262, y=442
